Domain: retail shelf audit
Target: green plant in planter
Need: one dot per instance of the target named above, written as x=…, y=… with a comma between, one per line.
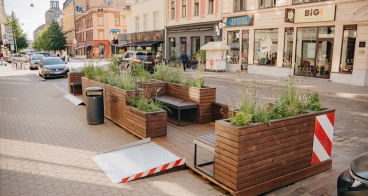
x=314, y=103
x=146, y=104
x=201, y=56
x=126, y=81
x=241, y=119
x=197, y=81
x=75, y=70
x=89, y=70
x=142, y=74
x=167, y=73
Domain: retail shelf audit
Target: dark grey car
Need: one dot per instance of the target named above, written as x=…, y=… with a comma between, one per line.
x=35, y=60
x=52, y=67
x=354, y=181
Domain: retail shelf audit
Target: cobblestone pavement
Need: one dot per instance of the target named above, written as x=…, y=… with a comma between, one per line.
x=46, y=145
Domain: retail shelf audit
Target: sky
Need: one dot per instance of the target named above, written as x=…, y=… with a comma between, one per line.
x=29, y=18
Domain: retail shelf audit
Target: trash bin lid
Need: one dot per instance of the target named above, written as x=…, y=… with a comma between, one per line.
x=94, y=89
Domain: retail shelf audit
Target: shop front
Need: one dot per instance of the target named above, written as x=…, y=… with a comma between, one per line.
x=80, y=51
x=319, y=41
x=188, y=39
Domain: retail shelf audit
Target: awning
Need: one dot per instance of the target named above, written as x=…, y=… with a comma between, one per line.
x=148, y=43
x=79, y=47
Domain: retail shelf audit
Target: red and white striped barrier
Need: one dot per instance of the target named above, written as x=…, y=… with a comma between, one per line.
x=323, y=135
x=155, y=170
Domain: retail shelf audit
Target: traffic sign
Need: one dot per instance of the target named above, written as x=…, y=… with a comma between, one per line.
x=75, y=41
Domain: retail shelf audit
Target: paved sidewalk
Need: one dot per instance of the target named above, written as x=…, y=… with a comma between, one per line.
x=46, y=146
x=309, y=84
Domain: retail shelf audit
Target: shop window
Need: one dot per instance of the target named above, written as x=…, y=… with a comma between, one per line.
x=288, y=47
x=210, y=6
x=196, y=7
x=156, y=20
x=240, y=5
x=195, y=46
x=172, y=10
x=184, y=9
x=305, y=51
x=137, y=23
x=267, y=4
x=183, y=42
x=348, y=48
x=326, y=32
x=117, y=20
x=145, y=22
x=306, y=1
x=245, y=47
x=209, y=39
x=172, y=47
x=265, y=46
x=233, y=42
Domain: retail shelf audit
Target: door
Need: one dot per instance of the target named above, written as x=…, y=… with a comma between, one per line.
x=245, y=47
x=323, y=60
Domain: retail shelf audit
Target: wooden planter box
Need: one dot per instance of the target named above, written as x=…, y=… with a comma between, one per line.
x=117, y=109
x=258, y=158
x=153, y=87
x=74, y=78
x=204, y=97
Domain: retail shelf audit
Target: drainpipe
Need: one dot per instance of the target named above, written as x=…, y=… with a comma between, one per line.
x=165, y=30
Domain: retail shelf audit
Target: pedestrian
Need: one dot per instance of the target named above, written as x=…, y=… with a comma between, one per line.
x=63, y=56
x=57, y=54
x=184, y=59
x=2, y=58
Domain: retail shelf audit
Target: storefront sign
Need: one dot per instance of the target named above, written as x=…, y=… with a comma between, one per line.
x=315, y=14
x=361, y=44
x=240, y=21
x=269, y=19
x=148, y=36
x=346, y=12
x=361, y=51
x=289, y=15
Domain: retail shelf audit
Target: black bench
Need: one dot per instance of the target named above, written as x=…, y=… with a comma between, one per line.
x=208, y=142
x=179, y=104
x=74, y=84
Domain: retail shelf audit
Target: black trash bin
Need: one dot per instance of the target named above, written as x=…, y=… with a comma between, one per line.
x=94, y=105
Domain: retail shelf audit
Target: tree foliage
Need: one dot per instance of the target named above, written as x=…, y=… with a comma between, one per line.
x=50, y=38
x=20, y=36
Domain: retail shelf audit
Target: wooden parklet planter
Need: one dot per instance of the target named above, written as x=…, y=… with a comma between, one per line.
x=258, y=158
x=75, y=78
x=118, y=109
x=204, y=97
x=152, y=88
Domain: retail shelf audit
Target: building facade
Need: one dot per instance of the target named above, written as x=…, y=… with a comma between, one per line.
x=94, y=20
x=145, y=26
x=53, y=13
x=2, y=26
x=323, y=39
x=38, y=30
x=68, y=25
x=191, y=24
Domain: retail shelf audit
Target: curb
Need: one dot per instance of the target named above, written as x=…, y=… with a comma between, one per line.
x=343, y=95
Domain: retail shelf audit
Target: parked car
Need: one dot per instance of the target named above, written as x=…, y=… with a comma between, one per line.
x=35, y=60
x=19, y=57
x=46, y=54
x=52, y=67
x=140, y=58
x=9, y=59
x=354, y=181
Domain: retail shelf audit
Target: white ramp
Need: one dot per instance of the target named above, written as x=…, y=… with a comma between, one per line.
x=136, y=160
x=73, y=99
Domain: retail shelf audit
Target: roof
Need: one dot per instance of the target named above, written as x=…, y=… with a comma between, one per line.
x=215, y=46
x=41, y=27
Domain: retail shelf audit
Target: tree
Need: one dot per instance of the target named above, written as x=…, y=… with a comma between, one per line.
x=20, y=36
x=50, y=38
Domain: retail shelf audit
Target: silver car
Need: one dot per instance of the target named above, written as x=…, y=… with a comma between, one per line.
x=52, y=67
x=35, y=60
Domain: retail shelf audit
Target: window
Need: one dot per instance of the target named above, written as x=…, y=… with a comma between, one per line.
x=348, y=47
x=196, y=7
x=172, y=10
x=305, y=51
x=172, y=47
x=183, y=42
x=184, y=9
x=137, y=23
x=288, y=47
x=195, y=46
x=240, y=5
x=209, y=39
x=245, y=47
x=210, y=7
x=305, y=1
x=233, y=41
x=100, y=20
x=117, y=20
x=265, y=46
x=146, y=22
x=267, y=4
x=156, y=20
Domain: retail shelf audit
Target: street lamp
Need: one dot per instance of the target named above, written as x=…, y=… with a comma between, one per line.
x=32, y=5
